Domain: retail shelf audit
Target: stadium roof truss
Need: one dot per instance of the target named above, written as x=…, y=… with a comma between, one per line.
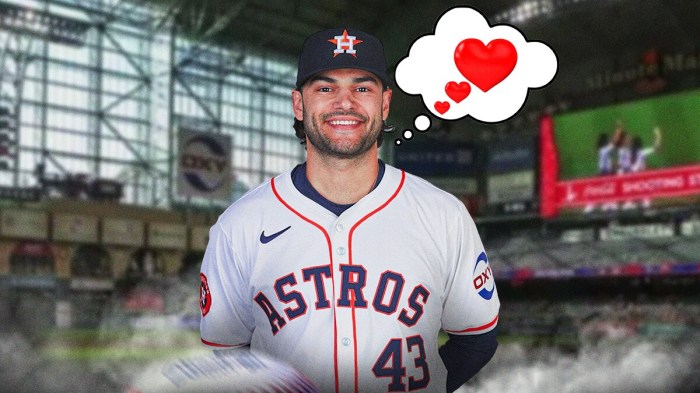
x=130, y=78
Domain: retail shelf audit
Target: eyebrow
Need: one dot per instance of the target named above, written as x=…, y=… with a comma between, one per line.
x=360, y=79
x=366, y=79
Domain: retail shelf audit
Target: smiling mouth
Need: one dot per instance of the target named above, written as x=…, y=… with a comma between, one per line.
x=344, y=119
x=344, y=122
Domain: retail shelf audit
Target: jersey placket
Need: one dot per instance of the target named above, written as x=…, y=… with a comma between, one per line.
x=345, y=341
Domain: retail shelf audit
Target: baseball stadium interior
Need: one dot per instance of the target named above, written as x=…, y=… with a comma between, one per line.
x=128, y=126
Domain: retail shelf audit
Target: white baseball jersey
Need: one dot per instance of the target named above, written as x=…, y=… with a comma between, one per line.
x=355, y=301
x=624, y=160
x=605, y=159
x=640, y=162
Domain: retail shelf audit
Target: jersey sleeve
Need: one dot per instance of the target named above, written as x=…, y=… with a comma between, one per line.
x=647, y=151
x=227, y=319
x=471, y=301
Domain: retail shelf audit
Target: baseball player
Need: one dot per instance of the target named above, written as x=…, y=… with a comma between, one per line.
x=346, y=267
x=639, y=155
x=606, y=165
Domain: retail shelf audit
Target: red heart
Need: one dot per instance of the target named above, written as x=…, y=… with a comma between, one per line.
x=458, y=91
x=485, y=65
x=442, y=106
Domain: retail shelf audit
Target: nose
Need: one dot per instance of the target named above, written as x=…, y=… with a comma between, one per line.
x=344, y=99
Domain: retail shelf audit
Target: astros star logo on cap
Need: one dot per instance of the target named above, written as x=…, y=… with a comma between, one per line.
x=345, y=44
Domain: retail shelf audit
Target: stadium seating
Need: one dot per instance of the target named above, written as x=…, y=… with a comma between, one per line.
x=530, y=249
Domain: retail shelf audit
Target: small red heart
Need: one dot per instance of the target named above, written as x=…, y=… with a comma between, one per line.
x=485, y=65
x=442, y=106
x=458, y=91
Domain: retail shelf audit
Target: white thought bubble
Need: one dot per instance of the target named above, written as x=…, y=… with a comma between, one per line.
x=468, y=68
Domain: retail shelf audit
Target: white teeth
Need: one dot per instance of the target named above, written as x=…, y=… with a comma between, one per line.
x=344, y=122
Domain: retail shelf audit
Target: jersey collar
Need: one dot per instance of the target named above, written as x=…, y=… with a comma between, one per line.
x=302, y=183
x=387, y=186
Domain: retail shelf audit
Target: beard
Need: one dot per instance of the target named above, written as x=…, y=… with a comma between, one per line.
x=341, y=149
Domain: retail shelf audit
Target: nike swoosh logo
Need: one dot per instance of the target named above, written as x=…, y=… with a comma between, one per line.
x=266, y=239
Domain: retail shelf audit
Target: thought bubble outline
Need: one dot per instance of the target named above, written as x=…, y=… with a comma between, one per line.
x=486, y=107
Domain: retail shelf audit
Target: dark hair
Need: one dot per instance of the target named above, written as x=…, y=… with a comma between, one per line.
x=636, y=147
x=301, y=133
x=620, y=140
x=602, y=140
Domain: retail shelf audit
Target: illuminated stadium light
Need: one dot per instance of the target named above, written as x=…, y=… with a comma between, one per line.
x=42, y=24
x=528, y=10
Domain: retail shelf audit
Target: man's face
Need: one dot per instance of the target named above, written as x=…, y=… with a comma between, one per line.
x=342, y=111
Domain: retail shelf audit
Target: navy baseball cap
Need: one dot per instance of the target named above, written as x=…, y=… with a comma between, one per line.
x=341, y=48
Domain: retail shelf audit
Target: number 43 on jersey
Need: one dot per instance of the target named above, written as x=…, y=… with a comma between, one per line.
x=390, y=365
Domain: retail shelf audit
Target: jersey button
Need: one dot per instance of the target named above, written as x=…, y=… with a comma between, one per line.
x=339, y=227
x=341, y=250
x=346, y=341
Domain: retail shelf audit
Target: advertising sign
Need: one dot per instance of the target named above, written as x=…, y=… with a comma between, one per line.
x=28, y=224
x=75, y=228
x=162, y=235
x=204, y=165
x=122, y=232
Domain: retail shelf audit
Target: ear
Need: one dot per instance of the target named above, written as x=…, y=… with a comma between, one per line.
x=386, y=100
x=298, y=105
